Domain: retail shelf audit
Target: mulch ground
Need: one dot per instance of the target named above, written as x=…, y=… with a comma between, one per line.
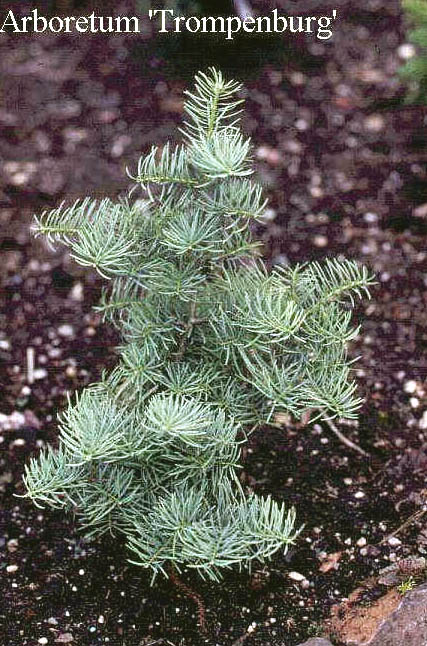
x=342, y=160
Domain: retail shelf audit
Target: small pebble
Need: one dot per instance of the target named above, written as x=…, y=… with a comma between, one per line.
x=11, y=569
x=361, y=542
x=410, y=386
x=12, y=545
x=420, y=211
x=374, y=122
x=296, y=576
x=268, y=215
x=40, y=373
x=415, y=402
x=359, y=494
x=101, y=619
x=71, y=372
x=64, y=638
x=320, y=241
x=406, y=51
x=76, y=293
x=301, y=124
x=43, y=640
x=65, y=330
x=370, y=218
x=393, y=541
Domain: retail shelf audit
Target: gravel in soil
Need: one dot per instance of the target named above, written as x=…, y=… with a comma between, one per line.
x=341, y=158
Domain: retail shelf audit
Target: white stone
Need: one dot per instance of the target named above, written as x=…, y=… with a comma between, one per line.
x=296, y=576
x=12, y=545
x=406, y=51
x=415, y=402
x=65, y=330
x=361, y=542
x=370, y=217
x=374, y=122
x=301, y=124
x=393, y=541
x=11, y=569
x=268, y=215
x=43, y=640
x=410, y=386
x=320, y=241
x=40, y=373
x=423, y=421
x=359, y=494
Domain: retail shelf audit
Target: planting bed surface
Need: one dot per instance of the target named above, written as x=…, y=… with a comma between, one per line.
x=342, y=161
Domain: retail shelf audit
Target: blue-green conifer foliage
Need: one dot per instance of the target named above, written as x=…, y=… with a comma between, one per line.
x=214, y=346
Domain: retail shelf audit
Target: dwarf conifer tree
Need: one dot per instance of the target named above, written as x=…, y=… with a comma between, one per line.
x=213, y=346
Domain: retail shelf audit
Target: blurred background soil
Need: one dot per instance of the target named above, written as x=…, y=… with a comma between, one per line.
x=342, y=159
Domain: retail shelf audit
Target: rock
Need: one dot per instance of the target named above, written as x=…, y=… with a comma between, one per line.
x=392, y=620
x=407, y=624
x=317, y=641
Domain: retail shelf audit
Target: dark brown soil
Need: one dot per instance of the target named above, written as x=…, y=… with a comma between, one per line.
x=342, y=159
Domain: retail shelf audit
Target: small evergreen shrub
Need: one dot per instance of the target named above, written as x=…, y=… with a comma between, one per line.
x=213, y=346
x=415, y=70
